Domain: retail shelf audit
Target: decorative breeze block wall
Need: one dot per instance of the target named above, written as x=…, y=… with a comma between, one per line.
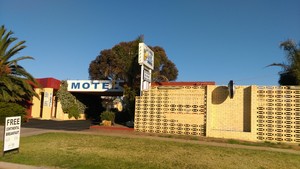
x=278, y=114
x=256, y=113
x=172, y=110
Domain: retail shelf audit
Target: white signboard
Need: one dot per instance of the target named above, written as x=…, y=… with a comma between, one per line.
x=147, y=75
x=12, y=133
x=48, y=99
x=146, y=60
x=45, y=99
x=94, y=86
x=146, y=85
x=146, y=56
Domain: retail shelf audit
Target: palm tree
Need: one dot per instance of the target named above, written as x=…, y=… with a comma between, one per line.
x=15, y=82
x=290, y=75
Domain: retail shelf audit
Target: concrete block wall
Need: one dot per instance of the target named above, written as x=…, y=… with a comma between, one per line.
x=229, y=117
x=255, y=113
x=179, y=110
x=277, y=114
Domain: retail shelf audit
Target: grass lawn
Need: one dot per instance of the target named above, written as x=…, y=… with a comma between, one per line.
x=66, y=150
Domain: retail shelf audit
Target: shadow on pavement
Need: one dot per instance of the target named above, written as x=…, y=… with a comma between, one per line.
x=69, y=125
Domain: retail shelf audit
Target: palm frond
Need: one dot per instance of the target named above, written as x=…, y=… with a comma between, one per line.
x=282, y=65
x=4, y=43
x=290, y=47
x=12, y=52
x=15, y=82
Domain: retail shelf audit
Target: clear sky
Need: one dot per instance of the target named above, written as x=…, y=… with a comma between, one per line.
x=208, y=40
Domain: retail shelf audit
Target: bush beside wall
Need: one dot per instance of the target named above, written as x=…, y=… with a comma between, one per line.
x=11, y=109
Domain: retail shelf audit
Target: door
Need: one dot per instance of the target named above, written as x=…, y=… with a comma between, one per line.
x=42, y=104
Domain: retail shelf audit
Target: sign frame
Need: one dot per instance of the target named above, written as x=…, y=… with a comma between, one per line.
x=146, y=56
x=11, y=134
x=94, y=86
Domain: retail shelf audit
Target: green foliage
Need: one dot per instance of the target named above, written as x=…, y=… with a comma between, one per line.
x=129, y=100
x=164, y=69
x=290, y=74
x=121, y=63
x=15, y=82
x=73, y=111
x=11, y=109
x=69, y=103
x=108, y=115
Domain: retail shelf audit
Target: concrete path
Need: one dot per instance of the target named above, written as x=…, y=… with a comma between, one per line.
x=5, y=165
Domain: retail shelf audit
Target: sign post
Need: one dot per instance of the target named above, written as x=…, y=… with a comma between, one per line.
x=11, y=136
x=146, y=60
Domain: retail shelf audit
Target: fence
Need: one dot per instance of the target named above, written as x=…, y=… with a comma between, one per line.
x=255, y=113
x=174, y=111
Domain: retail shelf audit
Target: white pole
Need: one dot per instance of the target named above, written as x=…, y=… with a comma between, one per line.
x=150, y=79
x=142, y=79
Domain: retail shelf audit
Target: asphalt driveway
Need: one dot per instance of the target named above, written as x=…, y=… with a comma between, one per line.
x=69, y=125
x=36, y=126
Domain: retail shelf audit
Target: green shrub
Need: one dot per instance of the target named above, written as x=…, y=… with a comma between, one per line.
x=69, y=103
x=108, y=115
x=11, y=109
x=73, y=112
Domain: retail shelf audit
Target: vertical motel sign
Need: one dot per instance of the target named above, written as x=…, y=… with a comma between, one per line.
x=146, y=60
x=11, y=134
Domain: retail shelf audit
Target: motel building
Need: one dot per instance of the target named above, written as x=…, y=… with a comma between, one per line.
x=48, y=107
x=252, y=113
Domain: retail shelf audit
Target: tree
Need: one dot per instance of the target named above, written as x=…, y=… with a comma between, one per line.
x=290, y=74
x=164, y=69
x=15, y=82
x=121, y=63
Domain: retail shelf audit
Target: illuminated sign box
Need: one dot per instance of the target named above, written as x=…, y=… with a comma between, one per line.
x=146, y=56
x=94, y=86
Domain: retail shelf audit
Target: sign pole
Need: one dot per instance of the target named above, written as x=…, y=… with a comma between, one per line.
x=142, y=80
x=146, y=60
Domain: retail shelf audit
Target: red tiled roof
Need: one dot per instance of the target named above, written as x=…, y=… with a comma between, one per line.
x=49, y=82
x=182, y=83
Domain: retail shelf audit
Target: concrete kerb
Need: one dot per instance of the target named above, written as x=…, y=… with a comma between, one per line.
x=6, y=165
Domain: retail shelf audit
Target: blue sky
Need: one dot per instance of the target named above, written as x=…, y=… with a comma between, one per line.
x=208, y=40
